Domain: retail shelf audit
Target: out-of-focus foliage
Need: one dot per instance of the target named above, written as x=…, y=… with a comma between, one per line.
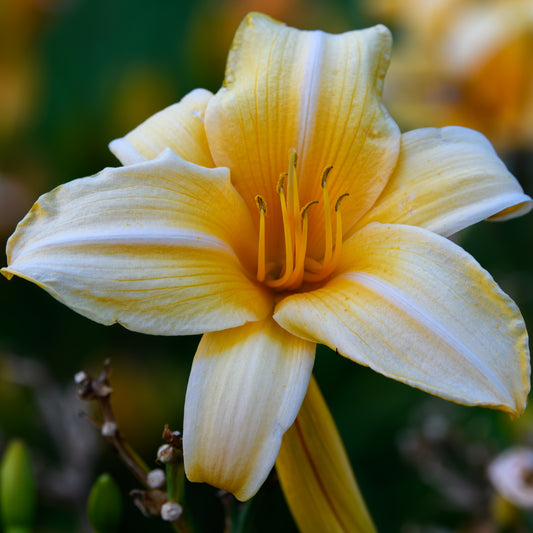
x=104, y=506
x=17, y=489
x=75, y=74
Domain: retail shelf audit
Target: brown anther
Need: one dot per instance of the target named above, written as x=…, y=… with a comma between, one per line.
x=261, y=204
x=339, y=200
x=281, y=182
x=325, y=174
x=306, y=207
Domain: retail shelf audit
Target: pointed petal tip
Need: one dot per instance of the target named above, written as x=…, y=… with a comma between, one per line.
x=239, y=403
x=256, y=17
x=6, y=273
x=520, y=205
x=240, y=492
x=178, y=126
x=515, y=409
x=477, y=346
x=125, y=152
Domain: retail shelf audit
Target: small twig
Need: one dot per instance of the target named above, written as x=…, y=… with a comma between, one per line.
x=100, y=390
x=151, y=501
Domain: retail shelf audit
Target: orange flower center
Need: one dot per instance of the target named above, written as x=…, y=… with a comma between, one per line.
x=298, y=267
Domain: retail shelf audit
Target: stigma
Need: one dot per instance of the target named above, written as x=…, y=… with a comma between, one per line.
x=297, y=266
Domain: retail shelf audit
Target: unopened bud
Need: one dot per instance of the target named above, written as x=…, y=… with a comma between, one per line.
x=167, y=454
x=17, y=488
x=104, y=507
x=156, y=478
x=171, y=511
x=109, y=429
x=80, y=377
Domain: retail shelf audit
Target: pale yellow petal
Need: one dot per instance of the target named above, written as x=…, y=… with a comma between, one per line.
x=245, y=389
x=446, y=180
x=315, y=473
x=317, y=93
x=147, y=245
x=179, y=127
x=416, y=307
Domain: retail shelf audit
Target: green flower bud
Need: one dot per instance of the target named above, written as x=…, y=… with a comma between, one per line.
x=17, y=489
x=104, y=507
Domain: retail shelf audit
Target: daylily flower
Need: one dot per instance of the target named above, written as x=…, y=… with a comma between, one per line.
x=288, y=210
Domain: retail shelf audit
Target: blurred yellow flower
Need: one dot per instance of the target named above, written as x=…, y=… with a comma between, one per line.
x=288, y=210
x=463, y=62
x=19, y=73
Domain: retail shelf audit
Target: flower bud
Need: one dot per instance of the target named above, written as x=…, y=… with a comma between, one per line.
x=171, y=511
x=109, y=429
x=104, y=507
x=167, y=454
x=17, y=488
x=156, y=478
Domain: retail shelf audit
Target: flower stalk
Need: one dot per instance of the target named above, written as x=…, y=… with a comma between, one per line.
x=151, y=501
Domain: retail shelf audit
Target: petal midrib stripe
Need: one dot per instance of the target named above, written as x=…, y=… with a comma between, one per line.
x=135, y=237
x=414, y=311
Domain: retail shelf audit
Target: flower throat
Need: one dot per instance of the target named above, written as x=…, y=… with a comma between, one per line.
x=299, y=268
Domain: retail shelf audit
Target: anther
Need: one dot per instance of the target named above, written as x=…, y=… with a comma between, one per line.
x=261, y=249
x=339, y=200
x=306, y=207
x=325, y=174
x=298, y=267
x=328, y=237
x=281, y=182
x=293, y=202
x=261, y=204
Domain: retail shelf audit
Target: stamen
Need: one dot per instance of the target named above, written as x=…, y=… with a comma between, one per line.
x=261, y=260
x=339, y=200
x=293, y=202
x=306, y=207
x=287, y=232
x=301, y=249
x=338, y=230
x=328, y=238
x=327, y=268
x=298, y=267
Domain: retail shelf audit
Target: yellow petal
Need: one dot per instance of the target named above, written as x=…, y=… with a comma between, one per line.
x=317, y=93
x=245, y=389
x=315, y=473
x=446, y=180
x=147, y=245
x=179, y=127
x=416, y=307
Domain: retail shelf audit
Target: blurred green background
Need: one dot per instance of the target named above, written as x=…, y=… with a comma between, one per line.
x=75, y=74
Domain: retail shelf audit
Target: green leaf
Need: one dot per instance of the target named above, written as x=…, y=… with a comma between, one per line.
x=17, y=488
x=104, y=506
